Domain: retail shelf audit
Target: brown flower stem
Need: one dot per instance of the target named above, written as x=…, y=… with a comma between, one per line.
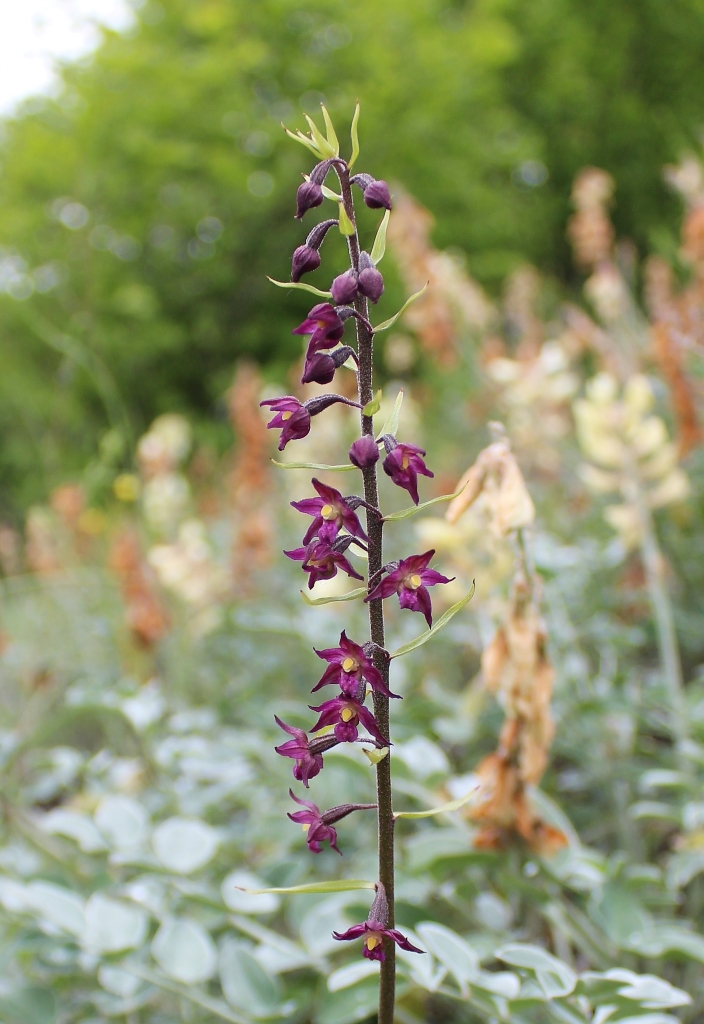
x=365, y=349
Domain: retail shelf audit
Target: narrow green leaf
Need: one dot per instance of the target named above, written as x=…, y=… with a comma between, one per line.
x=330, y=133
x=372, y=408
x=342, y=885
x=453, y=805
x=389, y=323
x=302, y=286
x=304, y=141
x=391, y=425
x=355, y=137
x=329, y=194
x=436, y=627
x=351, y=596
x=379, y=247
x=346, y=225
x=319, y=139
x=406, y=513
x=348, y=467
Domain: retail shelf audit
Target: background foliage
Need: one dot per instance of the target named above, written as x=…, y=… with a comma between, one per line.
x=169, y=141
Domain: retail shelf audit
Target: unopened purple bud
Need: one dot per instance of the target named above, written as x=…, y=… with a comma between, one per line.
x=344, y=288
x=377, y=196
x=371, y=283
x=364, y=452
x=309, y=195
x=304, y=261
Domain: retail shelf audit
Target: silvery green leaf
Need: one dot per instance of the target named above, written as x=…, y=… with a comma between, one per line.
x=184, y=844
x=123, y=822
x=448, y=808
x=302, y=286
x=243, y=892
x=184, y=950
x=354, y=136
x=59, y=906
x=76, y=826
x=406, y=513
x=245, y=983
x=389, y=323
x=350, y=974
x=118, y=981
x=651, y=992
x=451, y=950
x=112, y=925
x=14, y=896
x=372, y=407
x=423, y=638
x=351, y=595
x=347, y=467
x=554, y=977
x=379, y=247
x=342, y=885
x=391, y=425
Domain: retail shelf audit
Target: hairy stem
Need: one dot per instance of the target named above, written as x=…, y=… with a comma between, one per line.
x=365, y=346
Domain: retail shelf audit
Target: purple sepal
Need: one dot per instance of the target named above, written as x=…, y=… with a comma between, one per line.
x=410, y=580
x=292, y=418
x=403, y=464
x=321, y=562
x=309, y=195
x=346, y=714
x=305, y=259
x=330, y=514
x=348, y=666
x=344, y=288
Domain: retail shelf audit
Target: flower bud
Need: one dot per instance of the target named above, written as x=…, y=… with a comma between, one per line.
x=364, y=452
x=376, y=193
x=344, y=288
x=309, y=194
x=371, y=283
x=377, y=196
x=304, y=260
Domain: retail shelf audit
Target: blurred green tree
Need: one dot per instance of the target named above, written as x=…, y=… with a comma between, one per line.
x=139, y=204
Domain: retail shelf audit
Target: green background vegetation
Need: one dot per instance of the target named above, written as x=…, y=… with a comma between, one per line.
x=179, y=119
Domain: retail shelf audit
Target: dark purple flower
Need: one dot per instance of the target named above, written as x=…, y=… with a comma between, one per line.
x=377, y=195
x=321, y=561
x=370, y=281
x=330, y=514
x=348, y=666
x=344, y=288
x=305, y=259
x=320, y=367
x=308, y=754
x=325, y=326
x=410, y=580
x=309, y=194
x=376, y=192
x=375, y=929
x=346, y=713
x=291, y=416
x=318, y=826
x=364, y=452
x=403, y=464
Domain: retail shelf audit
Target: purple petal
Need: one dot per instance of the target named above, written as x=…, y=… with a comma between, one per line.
x=355, y=932
x=430, y=577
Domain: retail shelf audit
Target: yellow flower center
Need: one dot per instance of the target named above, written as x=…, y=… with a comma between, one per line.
x=286, y=415
x=321, y=323
x=414, y=581
x=404, y=462
x=305, y=827
x=347, y=713
x=348, y=664
x=372, y=940
x=328, y=512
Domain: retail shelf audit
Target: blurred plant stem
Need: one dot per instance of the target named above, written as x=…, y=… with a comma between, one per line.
x=96, y=369
x=670, y=662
